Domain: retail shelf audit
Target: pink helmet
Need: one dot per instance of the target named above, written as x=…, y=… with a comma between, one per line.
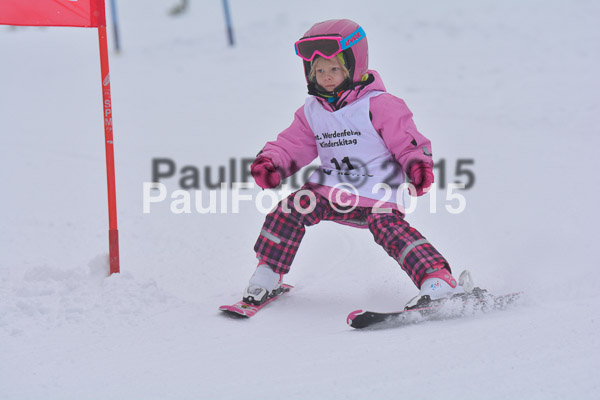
x=357, y=56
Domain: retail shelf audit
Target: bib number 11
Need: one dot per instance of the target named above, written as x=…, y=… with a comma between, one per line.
x=345, y=161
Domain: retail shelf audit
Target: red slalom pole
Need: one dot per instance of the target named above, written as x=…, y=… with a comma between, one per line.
x=113, y=232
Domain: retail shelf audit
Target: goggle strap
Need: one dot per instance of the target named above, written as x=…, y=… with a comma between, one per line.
x=353, y=38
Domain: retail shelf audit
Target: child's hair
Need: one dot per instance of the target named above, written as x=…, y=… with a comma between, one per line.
x=340, y=58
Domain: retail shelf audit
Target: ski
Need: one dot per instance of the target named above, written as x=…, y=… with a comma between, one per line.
x=245, y=310
x=427, y=310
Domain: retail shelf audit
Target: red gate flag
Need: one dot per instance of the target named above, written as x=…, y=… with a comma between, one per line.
x=86, y=14
x=83, y=13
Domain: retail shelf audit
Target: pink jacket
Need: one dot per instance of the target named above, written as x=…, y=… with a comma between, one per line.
x=296, y=147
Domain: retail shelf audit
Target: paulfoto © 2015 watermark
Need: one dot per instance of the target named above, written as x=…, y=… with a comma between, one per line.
x=222, y=193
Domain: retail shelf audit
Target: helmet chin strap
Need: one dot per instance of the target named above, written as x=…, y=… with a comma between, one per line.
x=336, y=98
x=317, y=90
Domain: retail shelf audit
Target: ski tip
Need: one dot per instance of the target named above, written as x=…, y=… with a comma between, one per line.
x=353, y=315
x=234, y=311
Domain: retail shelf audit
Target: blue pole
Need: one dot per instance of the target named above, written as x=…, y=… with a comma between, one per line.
x=228, y=22
x=113, y=9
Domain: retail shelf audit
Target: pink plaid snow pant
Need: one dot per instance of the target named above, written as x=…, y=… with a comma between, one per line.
x=284, y=229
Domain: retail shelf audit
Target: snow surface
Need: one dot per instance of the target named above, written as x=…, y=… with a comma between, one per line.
x=512, y=85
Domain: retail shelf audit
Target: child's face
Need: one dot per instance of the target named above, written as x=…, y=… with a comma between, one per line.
x=329, y=73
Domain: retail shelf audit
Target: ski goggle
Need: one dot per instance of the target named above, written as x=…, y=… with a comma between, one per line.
x=326, y=46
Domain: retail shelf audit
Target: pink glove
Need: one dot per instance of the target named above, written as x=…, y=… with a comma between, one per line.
x=421, y=176
x=265, y=174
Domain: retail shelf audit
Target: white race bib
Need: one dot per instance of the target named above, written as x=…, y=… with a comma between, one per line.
x=352, y=152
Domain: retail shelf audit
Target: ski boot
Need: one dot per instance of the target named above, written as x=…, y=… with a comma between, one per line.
x=264, y=284
x=439, y=284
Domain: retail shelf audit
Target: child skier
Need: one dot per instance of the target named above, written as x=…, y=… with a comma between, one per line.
x=365, y=138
